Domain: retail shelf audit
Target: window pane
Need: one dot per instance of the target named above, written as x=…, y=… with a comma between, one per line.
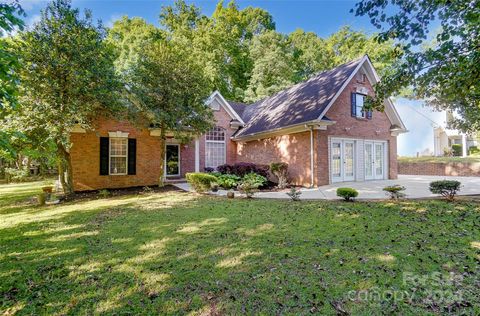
x=118, y=165
x=336, y=160
x=215, y=134
x=214, y=154
x=118, y=146
x=359, y=102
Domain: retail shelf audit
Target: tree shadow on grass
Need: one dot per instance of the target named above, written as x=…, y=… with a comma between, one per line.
x=178, y=254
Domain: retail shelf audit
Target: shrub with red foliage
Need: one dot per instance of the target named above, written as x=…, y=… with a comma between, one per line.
x=242, y=168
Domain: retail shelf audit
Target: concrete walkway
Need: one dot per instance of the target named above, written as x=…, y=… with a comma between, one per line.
x=416, y=187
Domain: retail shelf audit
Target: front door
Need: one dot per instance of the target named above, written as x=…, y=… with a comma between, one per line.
x=172, y=160
x=343, y=160
x=374, y=160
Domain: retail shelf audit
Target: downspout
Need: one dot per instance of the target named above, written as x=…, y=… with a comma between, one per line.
x=311, y=157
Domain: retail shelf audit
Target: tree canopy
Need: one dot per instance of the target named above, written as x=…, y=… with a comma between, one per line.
x=446, y=72
x=67, y=77
x=10, y=19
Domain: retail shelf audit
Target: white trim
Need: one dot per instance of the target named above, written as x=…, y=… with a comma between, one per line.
x=359, y=163
x=224, y=142
x=345, y=84
x=390, y=110
x=226, y=106
x=165, y=161
x=118, y=134
x=291, y=129
x=118, y=156
x=197, y=155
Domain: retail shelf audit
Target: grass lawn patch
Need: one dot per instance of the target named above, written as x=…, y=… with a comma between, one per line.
x=180, y=253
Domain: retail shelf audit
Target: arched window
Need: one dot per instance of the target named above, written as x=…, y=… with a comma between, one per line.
x=215, y=147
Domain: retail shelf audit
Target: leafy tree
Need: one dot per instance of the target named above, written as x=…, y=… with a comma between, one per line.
x=273, y=68
x=220, y=42
x=129, y=36
x=67, y=78
x=9, y=20
x=168, y=88
x=347, y=44
x=447, y=72
x=311, y=54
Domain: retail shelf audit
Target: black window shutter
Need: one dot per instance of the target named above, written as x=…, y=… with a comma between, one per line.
x=354, y=105
x=132, y=156
x=104, y=153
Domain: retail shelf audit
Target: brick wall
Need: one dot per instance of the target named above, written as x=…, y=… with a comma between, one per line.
x=294, y=149
x=85, y=154
x=440, y=169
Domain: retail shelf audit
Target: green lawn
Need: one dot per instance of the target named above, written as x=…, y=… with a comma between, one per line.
x=469, y=159
x=177, y=253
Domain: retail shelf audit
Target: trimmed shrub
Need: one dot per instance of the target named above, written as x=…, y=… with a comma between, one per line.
x=457, y=150
x=280, y=170
x=242, y=168
x=228, y=181
x=294, y=194
x=473, y=150
x=395, y=191
x=16, y=175
x=200, y=182
x=447, y=188
x=348, y=194
x=250, y=184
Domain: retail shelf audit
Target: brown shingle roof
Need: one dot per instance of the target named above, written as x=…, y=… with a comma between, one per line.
x=300, y=103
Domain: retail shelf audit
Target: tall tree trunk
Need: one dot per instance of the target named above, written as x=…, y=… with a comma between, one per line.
x=161, y=179
x=65, y=167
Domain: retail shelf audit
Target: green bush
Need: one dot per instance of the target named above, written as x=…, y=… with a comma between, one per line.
x=395, y=191
x=103, y=194
x=250, y=184
x=280, y=170
x=200, y=182
x=16, y=175
x=228, y=181
x=447, y=188
x=347, y=193
x=473, y=150
x=457, y=150
x=255, y=179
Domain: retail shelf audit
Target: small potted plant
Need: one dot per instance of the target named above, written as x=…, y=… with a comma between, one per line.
x=214, y=186
x=42, y=198
x=230, y=194
x=47, y=189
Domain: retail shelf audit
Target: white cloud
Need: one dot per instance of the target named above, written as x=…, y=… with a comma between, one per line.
x=28, y=5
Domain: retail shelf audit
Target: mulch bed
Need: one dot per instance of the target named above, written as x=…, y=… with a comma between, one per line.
x=93, y=195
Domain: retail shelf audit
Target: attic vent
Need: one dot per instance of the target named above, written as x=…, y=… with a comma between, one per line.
x=361, y=77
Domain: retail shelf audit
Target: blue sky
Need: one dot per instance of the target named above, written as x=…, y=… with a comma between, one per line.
x=323, y=17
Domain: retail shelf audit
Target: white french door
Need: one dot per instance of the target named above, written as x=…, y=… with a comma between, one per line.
x=374, y=160
x=342, y=160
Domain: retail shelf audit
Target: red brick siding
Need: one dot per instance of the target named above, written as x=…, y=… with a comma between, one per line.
x=440, y=169
x=222, y=119
x=85, y=155
x=295, y=148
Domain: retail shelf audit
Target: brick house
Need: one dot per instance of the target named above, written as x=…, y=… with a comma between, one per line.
x=318, y=127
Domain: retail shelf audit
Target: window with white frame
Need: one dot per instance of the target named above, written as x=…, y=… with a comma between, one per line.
x=215, y=148
x=118, y=156
x=359, y=102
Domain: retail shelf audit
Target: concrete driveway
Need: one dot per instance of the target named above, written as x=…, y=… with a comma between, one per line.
x=416, y=187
